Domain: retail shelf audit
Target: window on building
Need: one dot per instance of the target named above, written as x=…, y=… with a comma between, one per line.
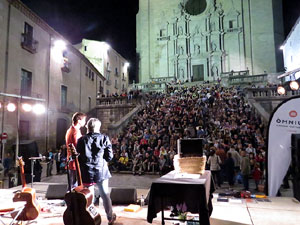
x=107, y=76
x=123, y=76
x=230, y=24
x=107, y=93
x=86, y=71
x=116, y=71
x=100, y=87
x=291, y=58
x=90, y=103
x=90, y=74
x=85, y=48
x=123, y=87
x=26, y=83
x=93, y=76
x=64, y=95
x=116, y=83
x=28, y=31
x=24, y=130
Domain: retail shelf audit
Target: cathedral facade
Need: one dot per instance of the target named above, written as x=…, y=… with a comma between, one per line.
x=199, y=40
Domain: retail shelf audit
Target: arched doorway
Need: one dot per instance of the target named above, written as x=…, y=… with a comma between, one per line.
x=61, y=129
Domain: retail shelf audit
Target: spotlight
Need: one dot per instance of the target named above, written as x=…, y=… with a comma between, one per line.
x=26, y=107
x=281, y=90
x=294, y=85
x=38, y=109
x=60, y=45
x=11, y=107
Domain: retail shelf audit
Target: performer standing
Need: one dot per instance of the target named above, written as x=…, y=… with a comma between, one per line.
x=95, y=150
x=72, y=135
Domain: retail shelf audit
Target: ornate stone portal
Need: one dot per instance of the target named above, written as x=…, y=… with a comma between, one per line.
x=200, y=39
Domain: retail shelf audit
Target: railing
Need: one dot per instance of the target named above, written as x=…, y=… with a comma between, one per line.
x=66, y=67
x=120, y=100
x=28, y=43
x=269, y=93
x=248, y=79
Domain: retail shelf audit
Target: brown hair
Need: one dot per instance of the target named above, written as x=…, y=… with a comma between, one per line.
x=78, y=116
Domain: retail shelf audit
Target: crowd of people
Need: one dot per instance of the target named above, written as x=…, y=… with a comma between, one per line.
x=232, y=133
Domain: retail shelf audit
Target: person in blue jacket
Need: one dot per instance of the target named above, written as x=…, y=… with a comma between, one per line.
x=95, y=150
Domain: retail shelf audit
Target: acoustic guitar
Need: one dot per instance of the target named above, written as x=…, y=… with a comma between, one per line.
x=80, y=209
x=32, y=208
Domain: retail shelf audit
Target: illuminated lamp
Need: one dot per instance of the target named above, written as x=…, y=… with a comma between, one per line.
x=26, y=107
x=294, y=85
x=60, y=45
x=11, y=107
x=106, y=46
x=38, y=109
x=281, y=90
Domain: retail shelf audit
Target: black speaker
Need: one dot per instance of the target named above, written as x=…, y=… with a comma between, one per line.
x=123, y=196
x=56, y=191
x=296, y=165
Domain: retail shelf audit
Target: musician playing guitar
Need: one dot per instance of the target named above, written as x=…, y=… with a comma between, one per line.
x=32, y=208
x=95, y=151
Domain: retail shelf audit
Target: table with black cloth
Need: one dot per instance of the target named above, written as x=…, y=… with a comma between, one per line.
x=169, y=190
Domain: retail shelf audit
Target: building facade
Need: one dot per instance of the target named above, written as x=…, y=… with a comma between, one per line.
x=201, y=39
x=291, y=52
x=36, y=66
x=109, y=62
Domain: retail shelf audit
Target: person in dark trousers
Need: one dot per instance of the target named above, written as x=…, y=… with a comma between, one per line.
x=58, y=159
x=229, y=169
x=245, y=169
x=95, y=150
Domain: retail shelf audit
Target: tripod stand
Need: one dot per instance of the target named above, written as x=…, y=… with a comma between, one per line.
x=33, y=160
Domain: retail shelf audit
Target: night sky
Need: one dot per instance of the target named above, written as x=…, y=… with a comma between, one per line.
x=112, y=21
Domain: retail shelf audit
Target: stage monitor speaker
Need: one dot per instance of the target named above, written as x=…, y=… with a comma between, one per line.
x=56, y=191
x=296, y=165
x=123, y=196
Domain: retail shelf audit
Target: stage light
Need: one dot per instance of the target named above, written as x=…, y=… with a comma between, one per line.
x=294, y=85
x=281, y=90
x=11, y=107
x=26, y=107
x=106, y=46
x=60, y=45
x=38, y=109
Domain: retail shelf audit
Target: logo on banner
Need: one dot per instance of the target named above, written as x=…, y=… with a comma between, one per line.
x=291, y=121
x=293, y=113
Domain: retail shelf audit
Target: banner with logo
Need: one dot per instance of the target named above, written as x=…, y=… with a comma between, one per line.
x=284, y=122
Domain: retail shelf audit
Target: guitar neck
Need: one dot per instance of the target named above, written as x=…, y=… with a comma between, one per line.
x=79, y=180
x=22, y=173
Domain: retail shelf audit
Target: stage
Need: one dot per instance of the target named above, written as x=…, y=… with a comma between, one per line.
x=280, y=210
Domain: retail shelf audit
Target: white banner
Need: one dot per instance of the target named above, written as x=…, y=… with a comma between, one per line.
x=284, y=122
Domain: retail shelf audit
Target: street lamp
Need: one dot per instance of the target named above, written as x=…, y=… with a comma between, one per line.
x=38, y=109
